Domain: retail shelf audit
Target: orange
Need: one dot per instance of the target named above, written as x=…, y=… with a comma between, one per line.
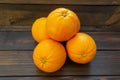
x=39, y=29
x=49, y=55
x=81, y=48
x=62, y=24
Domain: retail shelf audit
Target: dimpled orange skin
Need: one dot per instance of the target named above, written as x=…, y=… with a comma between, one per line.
x=39, y=29
x=62, y=24
x=49, y=55
x=81, y=48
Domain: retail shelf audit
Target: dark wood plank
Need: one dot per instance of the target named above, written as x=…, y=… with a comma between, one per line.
x=20, y=63
x=80, y=2
x=64, y=78
x=24, y=40
x=105, y=39
x=16, y=28
x=83, y=28
x=25, y=15
x=16, y=41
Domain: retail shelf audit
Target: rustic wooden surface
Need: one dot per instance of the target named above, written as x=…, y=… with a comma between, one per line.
x=24, y=14
x=20, y=63
x=64, y=78
x=24, y=41
x=78, y=2
x=99, y=18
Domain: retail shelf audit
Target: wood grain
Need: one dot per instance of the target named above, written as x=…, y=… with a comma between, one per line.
x=20, y=63
x=64, y=78
x=83, y=28
x=17, y=28
x=25, y=15
x=78, y=2
x=24, y=40
x=16, y=41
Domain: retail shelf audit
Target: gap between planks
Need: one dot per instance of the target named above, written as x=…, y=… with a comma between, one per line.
x=82, y=28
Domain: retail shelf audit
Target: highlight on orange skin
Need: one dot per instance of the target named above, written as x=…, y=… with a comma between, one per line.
x=62, y=24
x=81, y=48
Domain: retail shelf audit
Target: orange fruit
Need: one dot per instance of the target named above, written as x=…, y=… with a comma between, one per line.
x=49, y=55
x=81, y=48
x=62, y=24
x=39, y=29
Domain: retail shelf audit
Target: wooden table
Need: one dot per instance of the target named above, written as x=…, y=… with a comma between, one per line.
x=99, y=18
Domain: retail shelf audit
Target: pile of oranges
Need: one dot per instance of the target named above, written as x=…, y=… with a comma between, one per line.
x=61, y=25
